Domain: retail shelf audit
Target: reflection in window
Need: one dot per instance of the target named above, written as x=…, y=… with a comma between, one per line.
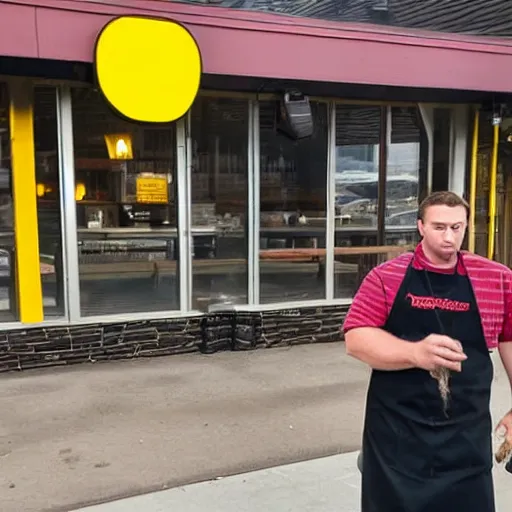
x=357, y=182
x=219, y=201
x=48, y=199
x=484, y=159
x=293, y=177
x=406, y=168
x=442, y=142
x=7, y=264
x=357, y=168
x=126, y=211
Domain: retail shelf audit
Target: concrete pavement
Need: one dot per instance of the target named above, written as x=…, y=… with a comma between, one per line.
x=322, y=485
x=96, y=433
x=91, y=433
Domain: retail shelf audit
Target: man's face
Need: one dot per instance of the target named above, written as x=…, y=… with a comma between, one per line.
x=443, y=229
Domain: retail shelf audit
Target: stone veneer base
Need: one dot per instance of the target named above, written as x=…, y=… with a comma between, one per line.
x=23, y=349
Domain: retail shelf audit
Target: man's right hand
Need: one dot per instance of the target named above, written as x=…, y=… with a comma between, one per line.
x=438, y=351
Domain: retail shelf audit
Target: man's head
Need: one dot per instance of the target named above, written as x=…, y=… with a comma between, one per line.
x=442, y=223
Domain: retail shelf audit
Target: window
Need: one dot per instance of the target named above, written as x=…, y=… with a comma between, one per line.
x=8, y=310
x=220, y=131
x=484, y=162
x=367, y=177
x=125, y=187
x=358, y=136
x=48, y=200
x=442, y=141
x=293, y=180
x=405, y=175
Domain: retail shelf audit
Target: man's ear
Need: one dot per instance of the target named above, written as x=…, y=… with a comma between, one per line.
x=421, y=228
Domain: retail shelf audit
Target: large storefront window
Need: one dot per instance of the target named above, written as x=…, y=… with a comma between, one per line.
x=377, y=192
x=48, y=200
x=293, y=180
x=125, y=188
x=406, y=166
x=8, y=310
x=220, y=130
x=358, y=137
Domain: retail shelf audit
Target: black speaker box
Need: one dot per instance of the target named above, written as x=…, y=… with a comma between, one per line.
x=295, y=119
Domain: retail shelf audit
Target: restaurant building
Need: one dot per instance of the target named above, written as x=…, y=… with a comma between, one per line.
x=178, y=177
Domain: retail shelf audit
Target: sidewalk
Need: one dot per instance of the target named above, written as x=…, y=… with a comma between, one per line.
x=321, y=485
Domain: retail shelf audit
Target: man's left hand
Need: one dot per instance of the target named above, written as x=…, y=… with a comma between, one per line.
x=505, y=426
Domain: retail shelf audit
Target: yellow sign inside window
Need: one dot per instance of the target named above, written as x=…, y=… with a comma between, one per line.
x=148, y=69
x=152, y=190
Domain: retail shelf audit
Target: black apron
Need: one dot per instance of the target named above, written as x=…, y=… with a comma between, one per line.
x=417, y=455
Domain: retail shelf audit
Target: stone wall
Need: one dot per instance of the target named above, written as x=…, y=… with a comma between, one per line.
x=23, y=349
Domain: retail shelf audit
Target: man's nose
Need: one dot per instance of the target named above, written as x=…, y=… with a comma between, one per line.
x=448, y=235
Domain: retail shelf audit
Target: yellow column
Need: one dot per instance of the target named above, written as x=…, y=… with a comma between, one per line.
x=492, y=193
x=28, y=274
x=472, y=185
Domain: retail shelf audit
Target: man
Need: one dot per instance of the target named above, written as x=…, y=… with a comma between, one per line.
x=421, y=314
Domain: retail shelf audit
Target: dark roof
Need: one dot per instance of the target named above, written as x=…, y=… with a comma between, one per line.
x=485, y=17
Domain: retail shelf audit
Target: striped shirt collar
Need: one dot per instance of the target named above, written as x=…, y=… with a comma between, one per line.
x=421, y=262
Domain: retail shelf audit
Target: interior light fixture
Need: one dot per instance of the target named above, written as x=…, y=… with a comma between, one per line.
x=119, y=146
x=80, y=191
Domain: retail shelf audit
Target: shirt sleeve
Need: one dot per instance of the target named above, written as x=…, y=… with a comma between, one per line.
x=369, y=307
x=506, y=333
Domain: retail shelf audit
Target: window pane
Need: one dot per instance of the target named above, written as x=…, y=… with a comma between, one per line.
x=292, y=209
x=442, y=136
x=484, y=159
x=48, y=199
x=406, y=168
x=219, y=201
x=125, y=177
x=357, y=185
x=8, y=311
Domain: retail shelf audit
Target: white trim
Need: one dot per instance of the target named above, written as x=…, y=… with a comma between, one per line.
x=252, y=233
x=256, y=203
x=330, y=222
x=102, y=319
x=183, y=222
x=173, y=315
x=427, y=115
x=68, y=204
x=280, y=305
x=458, y=149
x=188, y=212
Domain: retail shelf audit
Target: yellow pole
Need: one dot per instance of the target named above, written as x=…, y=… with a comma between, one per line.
x=472, y=183
x=28, y=273
x=492, y=193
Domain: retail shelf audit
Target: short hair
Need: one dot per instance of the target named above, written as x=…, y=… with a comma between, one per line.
x=444, y=198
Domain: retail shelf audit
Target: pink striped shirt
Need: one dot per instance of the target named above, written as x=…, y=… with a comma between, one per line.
x=491, y=281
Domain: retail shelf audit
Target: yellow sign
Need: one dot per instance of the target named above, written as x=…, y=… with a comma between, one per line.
x=152, y=190
x=148, y=69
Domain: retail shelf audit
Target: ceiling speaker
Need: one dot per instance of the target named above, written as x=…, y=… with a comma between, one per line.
x=295, y=119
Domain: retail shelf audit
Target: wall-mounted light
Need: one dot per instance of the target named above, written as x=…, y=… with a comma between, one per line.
x=80, y=191
x=42, y=189
x=119, y=146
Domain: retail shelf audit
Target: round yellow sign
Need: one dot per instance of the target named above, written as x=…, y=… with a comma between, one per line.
x=148, y=69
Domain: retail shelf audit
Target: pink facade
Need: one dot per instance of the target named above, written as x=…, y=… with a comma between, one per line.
x=240, y=43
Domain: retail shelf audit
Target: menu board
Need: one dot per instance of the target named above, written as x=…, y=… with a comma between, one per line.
x=153, y=190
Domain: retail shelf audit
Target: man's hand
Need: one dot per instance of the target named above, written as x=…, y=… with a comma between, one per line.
x=504, y=429
x=439, y=351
